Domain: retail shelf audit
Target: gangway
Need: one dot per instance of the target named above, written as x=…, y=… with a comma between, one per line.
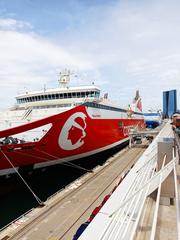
x=27, y=113
x=119, y=218
x=134, y=134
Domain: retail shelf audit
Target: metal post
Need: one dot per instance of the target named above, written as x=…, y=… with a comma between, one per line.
x=153, y=231
x=177, y=201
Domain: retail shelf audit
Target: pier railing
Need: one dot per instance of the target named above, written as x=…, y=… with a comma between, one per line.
x=119, y=218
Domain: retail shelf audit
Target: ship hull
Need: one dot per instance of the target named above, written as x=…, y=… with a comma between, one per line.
x=82, y=131
x=152, y=120
x=152, y=123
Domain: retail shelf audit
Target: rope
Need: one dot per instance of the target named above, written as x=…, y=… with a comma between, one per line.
x=32, y=155
x=41, y=203
x=69, y=164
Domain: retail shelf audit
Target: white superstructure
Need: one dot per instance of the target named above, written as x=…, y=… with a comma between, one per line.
x=38, y=104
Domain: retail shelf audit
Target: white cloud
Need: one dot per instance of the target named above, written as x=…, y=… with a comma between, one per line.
x=28, y=48
x=127, y=44
x=30, y=61
x=139, y=41
x=13, y=24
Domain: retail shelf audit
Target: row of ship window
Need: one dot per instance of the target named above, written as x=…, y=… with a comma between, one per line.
x=55, y=106
x=96, y=105
x=59, y=96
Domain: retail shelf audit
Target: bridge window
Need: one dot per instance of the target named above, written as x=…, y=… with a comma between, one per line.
x=74, y=95
x=92, y=94
x=59, y=96
x=97, y=94
x=83, y=94
x=69, y=95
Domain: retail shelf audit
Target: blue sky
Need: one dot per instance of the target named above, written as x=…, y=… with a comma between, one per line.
x=120, y=45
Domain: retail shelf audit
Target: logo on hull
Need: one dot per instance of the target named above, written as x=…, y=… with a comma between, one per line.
x=73, y=132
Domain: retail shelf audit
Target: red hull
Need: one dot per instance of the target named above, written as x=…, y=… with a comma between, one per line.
x=75, y=133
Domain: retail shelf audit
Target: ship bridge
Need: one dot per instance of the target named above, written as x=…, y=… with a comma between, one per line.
x=63, y=96
x=58, y=96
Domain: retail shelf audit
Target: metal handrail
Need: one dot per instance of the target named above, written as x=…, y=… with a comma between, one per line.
x=153, y=231
x=177, y=201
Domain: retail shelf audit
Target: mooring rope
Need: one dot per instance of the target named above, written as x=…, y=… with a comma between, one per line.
x=41, y=203
x=69, y=164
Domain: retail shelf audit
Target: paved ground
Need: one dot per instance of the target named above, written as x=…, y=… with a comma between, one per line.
x=61, y=217
x=166, y=223
x=166, y=226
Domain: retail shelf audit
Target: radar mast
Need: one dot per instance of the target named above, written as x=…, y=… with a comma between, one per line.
x=64, y=78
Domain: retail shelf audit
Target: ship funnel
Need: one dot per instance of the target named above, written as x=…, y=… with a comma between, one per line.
x=64, y=78
x=137, y=105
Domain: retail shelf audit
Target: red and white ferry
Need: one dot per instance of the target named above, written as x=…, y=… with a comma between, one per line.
x=62, y=124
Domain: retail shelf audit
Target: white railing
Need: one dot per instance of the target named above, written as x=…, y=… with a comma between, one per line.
x=177, y=197
x=119, y=217
x=153, y=230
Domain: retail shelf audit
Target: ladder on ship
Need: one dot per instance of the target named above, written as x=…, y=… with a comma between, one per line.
x=27, y=113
